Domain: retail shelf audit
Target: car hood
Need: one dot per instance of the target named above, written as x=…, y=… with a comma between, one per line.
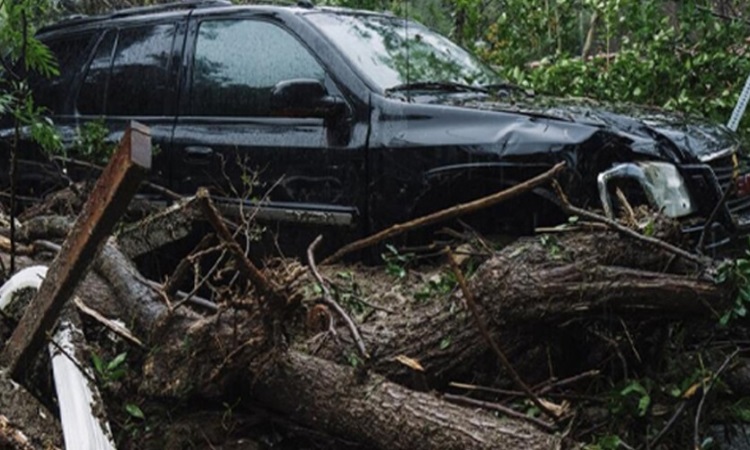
x=650, y=131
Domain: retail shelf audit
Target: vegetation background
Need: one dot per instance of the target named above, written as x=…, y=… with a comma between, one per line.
x=691, y=56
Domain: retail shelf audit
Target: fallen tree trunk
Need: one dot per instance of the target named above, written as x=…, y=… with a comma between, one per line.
x=526, y=292
x=209, y=357
x=519, y=293
x=384, y=414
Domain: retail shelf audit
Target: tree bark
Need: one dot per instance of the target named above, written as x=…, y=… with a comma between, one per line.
x=383, y=414
x=526, y=292
x=209, y=357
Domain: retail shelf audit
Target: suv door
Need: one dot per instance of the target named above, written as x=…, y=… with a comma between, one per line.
x=294, y=165
x=132, y=76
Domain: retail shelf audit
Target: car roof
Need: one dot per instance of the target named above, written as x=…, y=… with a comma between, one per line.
x=188, y=6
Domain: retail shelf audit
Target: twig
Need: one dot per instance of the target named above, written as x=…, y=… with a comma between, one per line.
x=696, y=433
x=170, y=287
x=445, y=214
x=112, y=325
x=328, y=299
x=469, y=297
x=566, y=381
x=160, y=189
x=680, y=409
x=265, y=286
x=575, y=211
x=500, y=408
x=514, y=393
x=712, y=217
x=374, y=306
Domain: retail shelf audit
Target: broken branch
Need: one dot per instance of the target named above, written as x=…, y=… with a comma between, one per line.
x=328, y=299
x=265, y=286
x=469, y=297
x=448, y=213
x=575, y=211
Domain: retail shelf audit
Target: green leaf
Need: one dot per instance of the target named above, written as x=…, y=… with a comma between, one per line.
x=643, y=405
x=134, y=411
x=445, y=343
x=117, y=361
x=98, y=363
x=634, y=386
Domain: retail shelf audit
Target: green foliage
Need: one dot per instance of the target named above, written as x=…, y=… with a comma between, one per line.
x=90, y=143
x=633, y=399
x=690, y=61
x=437, y=286
x=736, y=272
x=396, y=263
x=740, y=410
x=349, y=293
x=109, y=372
x=550, y=243
x=134, y=411
x=353, y=359
x=607, y=442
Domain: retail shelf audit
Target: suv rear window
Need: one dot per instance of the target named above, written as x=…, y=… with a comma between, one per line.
x=238, y=62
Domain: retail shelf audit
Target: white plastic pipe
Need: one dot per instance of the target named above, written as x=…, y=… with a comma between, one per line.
x=739, y=108
x=77, y=396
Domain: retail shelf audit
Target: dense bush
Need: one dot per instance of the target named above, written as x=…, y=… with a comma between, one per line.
x=681, y=57
x=690, y=55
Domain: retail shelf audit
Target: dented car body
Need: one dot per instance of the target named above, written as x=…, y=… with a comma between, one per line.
x=350, y=121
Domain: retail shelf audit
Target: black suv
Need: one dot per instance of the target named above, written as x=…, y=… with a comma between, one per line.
x=351, y=121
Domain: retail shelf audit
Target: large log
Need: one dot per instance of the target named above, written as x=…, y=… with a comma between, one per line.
x=211, y=356
x=528, y=290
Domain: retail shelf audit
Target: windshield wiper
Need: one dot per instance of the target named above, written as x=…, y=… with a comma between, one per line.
x=510, y=87
x=438, y=86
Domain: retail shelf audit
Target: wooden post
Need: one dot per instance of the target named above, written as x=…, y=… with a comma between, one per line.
x=106, y=204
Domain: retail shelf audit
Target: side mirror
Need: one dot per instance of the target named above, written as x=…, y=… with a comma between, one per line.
x=304, y=98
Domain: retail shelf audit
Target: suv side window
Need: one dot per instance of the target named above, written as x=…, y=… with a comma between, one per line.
x=129, y=72
x=138, y=80
x=71, y=53
x=91, y=94
x=238, y=62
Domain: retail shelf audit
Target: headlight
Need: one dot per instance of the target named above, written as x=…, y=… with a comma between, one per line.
x=662, y=183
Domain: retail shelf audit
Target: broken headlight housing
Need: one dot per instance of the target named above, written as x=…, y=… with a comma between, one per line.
x=661, y=182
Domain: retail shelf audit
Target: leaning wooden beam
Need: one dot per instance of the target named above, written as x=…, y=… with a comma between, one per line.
x=106, y=204
x=445, y=214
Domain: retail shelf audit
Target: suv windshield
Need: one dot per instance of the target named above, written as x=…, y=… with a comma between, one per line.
x=378, y=46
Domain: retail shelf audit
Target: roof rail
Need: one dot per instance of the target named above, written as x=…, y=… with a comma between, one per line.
x=78, y=19
x=186, y=4
x=299, y=3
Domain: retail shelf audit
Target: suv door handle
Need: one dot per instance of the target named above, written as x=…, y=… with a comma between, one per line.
x=199, y=151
